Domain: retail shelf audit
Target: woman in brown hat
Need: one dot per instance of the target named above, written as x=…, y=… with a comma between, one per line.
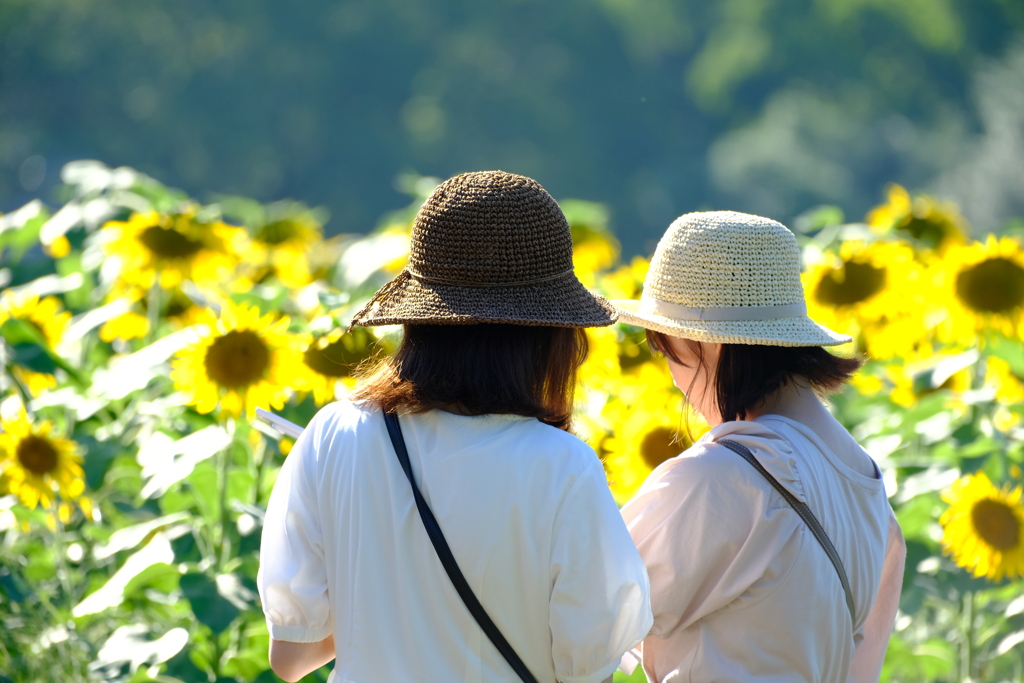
x=786, y=567
x=443, y=524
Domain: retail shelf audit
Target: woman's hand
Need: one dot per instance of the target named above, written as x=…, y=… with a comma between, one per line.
x=292, y=661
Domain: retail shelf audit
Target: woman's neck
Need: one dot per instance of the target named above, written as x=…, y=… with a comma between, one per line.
x=794, y=400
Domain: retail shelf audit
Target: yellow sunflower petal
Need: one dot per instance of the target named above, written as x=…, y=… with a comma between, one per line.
x=131, y=325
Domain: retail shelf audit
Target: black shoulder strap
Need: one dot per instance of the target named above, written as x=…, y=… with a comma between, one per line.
x=805, y=514
x=448, y=560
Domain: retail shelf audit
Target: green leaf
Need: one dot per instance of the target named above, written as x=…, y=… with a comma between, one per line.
x=21, y=336
x=98, y=457
x=917, y=515
x=244, y=666
x=32, y=357
x=22, y=238
x=206, y=489
x=207, y=604
x=160, y=576
x=16, y=331
x=637, y=676
x=929, y=661
x=240, y=485
x=10, y=586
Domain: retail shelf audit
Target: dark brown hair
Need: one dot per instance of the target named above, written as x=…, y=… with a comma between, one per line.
x=749, y=373
x=480, y=369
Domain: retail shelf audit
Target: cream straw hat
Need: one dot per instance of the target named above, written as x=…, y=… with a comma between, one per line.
x=722, y=276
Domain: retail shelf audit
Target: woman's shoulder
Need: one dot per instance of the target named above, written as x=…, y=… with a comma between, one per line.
x=341, y=415
x=522, y=436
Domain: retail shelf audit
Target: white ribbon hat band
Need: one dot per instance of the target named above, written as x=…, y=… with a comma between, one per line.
x=679, y=312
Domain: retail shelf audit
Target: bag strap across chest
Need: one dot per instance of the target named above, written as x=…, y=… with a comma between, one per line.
x=805, y=514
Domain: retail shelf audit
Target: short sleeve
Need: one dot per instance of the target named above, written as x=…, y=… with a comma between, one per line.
x=704, y=531
x=293, y=576
x=600, y=597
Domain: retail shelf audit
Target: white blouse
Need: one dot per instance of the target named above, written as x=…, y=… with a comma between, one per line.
x=529, y=518
x=740, y=588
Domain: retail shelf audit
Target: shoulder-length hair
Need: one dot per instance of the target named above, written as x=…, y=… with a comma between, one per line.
x=481, y=369
x=747, y=374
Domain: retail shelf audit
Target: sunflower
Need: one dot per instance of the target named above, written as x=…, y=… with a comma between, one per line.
x=925, y=373
x=936, y=225
x=594, y=247
x=241, y=361
x=644, y=444
x=593, y=255
x=332, y=359
x=1009, y=390
x=875, y=292
x=601, y=370
x=168, y=249
x=1009, y=387
x=45, y=315
x=982, y=287
x=651, y=425
x=280, y=247
x=627, y=281
x=983, y=528
x=35, y=463
x=176, y=307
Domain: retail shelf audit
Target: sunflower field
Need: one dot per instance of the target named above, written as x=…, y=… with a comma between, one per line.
x=139, y=330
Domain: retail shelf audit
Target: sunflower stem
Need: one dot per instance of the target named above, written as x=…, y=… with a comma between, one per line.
x=967, y=651
x=225, y=459
x=258, y=456
x=58, y=542
x=22, y=389
x=153, y=310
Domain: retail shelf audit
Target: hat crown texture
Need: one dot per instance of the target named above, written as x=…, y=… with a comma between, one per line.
x=719, y=259
x=490, y=228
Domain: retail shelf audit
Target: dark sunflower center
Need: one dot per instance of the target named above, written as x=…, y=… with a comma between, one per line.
x=995, y=285
x=852, y=283
x=658, y=445
x=334, y=360
x=996, y=524
x=931, y=231
x=338, y=358
x=237, y=360
x=277, y=232
x=36, y=454
x=922, y=385
x=177, y=307
x=168, y=243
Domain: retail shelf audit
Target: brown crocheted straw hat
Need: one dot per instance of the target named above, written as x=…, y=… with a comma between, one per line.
x=722, y=276
x=488, y=247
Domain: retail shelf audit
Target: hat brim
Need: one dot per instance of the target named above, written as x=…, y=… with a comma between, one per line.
x=779, y=332
x=561, y=303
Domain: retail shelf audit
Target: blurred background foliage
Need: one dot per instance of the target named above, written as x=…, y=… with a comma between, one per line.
x=139, y=330
x=655, y=107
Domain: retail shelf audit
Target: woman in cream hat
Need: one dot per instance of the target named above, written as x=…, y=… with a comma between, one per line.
x=443, y=524
x=772, y=551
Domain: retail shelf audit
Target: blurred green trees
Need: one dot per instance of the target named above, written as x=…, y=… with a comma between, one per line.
x=654, y=106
